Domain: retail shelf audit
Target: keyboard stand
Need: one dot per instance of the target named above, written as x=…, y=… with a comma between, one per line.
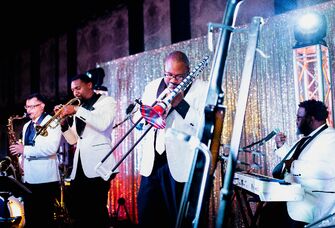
x=244, y=201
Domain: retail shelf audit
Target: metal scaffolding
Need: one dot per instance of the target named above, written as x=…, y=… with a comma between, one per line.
x=312, y=77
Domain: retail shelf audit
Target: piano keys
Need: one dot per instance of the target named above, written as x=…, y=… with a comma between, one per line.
x=253, y=190
x=268, y=188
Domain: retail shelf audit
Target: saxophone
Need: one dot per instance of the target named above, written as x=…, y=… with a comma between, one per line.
x=13, y=140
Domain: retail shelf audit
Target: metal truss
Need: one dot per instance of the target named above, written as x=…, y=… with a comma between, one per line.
x=312, y=77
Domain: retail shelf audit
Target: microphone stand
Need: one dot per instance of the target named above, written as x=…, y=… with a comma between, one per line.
x=238, y=121
x=118, y=124
x=262, y=141
x=253, y=144
x=130, y=114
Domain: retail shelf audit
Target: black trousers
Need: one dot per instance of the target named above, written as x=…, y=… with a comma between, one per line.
x=88, y=201
x=39, y=206
x=274, y=214
x=159, y=197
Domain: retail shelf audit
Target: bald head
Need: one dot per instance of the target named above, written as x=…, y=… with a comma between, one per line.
x=178, y=56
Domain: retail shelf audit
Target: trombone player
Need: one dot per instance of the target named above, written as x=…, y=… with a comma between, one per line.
x=163, y=163
x=40, y=166
x=91, y=130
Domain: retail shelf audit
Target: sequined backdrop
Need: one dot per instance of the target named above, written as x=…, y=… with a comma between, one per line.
x=271, y=101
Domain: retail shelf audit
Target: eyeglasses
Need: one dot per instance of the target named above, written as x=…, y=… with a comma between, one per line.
x=175, y=76
x=31, y=106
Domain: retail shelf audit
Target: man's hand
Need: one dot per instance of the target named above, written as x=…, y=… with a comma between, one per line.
x=66, y=110
x=16, y=149
x=57, y=108
x=63, y=112
x=280, y=139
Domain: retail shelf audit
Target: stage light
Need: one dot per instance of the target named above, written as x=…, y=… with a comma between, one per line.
x=310, y=29
x=97, y=75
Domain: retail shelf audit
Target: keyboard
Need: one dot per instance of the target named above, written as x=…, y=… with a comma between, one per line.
x=268, y=188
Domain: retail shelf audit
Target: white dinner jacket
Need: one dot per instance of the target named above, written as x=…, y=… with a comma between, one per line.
x=179, y=156
x=95, y=141
x=40, y=163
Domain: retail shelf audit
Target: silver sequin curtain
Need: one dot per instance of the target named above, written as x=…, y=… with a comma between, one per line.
x=271, y=100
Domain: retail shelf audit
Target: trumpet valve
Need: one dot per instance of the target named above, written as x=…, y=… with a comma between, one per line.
x=44, y=133
x=40, y=130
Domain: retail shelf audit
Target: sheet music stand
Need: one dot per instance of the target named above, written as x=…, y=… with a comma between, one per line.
x=10, y=184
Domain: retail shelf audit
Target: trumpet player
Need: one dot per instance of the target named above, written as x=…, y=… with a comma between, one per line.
x=40, y=166
x=162, y=165
x=91, y=129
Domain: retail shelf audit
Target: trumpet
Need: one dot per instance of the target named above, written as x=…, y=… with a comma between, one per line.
x=42, y=130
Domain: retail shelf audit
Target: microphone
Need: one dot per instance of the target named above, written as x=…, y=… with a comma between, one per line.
x=269, y=136
x=5, y=163
x=130, y=108
x=129, y=112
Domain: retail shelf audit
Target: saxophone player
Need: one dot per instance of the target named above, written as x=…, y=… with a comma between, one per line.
x=40, y=165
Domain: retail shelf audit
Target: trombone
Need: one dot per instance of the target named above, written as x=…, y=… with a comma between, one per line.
x=154, y=115
x=43, y=130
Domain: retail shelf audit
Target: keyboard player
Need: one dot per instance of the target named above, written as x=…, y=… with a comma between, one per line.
x=310, y=163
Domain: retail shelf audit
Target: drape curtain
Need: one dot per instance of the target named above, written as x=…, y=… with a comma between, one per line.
x=271, y=99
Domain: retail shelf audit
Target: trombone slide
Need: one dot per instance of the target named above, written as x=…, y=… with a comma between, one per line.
x=103, y=172
x=103, y=168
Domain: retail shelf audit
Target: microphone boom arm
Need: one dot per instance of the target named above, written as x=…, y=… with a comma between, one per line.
x=263, y=140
